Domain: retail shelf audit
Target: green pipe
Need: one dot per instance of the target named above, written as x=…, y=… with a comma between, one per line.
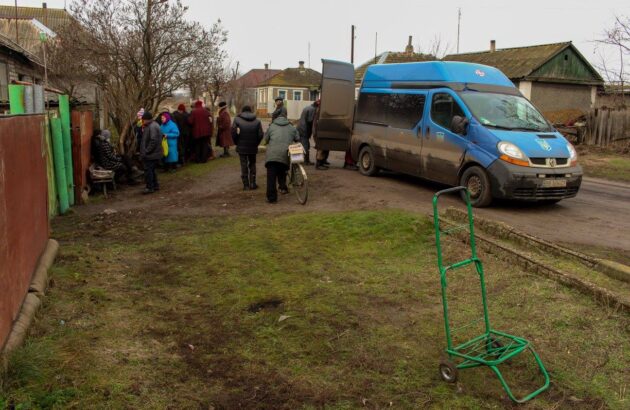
x=60, y=169
x=16, y=99
x=64, y=113
x=53, y=203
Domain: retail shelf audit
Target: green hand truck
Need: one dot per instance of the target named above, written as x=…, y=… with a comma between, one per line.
x=492, y=347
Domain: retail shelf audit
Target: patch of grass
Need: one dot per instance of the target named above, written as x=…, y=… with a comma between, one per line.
x=347, y=314
x=607, y=165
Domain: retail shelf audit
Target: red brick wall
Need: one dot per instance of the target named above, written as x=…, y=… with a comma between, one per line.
x=23, y=210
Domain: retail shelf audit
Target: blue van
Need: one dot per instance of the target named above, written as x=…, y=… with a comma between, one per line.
x=450, y=122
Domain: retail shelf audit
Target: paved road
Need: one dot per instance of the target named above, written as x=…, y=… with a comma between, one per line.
x=599, y=215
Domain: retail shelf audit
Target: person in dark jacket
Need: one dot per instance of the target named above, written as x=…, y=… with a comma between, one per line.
x=280, y=109
x=183, y=143
x=106, y=157
x=305, y=128
x=151, y=152
x=278, y=137
x=202, y=126
x=247, y=133
x=224, y=133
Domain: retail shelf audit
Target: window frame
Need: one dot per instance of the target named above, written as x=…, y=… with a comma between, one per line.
x=455, y=100
x=283, y=91
x=297, y=92
x=6, y=79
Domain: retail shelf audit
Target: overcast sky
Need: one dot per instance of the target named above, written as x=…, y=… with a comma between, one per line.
x=279, y=31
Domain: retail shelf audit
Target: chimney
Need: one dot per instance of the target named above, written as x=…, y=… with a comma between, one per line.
x=266, y=66
x=493, y=46
x=301, y=63
x=409, y=48
x=45, y=7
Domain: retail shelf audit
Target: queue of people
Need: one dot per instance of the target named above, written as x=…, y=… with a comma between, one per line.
x=169, y=140
x=172, y=140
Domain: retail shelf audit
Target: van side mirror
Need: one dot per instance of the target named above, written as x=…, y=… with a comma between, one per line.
x=459, y=125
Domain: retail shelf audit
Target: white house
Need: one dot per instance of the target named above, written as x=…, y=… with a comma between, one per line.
x=299, y=87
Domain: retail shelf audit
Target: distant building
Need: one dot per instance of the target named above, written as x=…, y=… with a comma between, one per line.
x=30, y=22
x=243, y=90
x=54, y=19
x=391, y=57
x=298, y=87
x=555, y=77
x=16, y=64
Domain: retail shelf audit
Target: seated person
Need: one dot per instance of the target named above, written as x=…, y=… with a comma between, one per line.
x=107, y=158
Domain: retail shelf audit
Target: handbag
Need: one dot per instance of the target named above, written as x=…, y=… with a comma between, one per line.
x=165, y=145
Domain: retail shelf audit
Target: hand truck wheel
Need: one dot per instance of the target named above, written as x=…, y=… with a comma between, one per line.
x=448, y=371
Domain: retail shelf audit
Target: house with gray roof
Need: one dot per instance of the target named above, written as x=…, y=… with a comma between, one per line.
x=556, y=77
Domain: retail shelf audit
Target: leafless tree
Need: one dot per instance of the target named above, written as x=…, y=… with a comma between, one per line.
x=137, y=51
x=618, y=39
x=436, y=47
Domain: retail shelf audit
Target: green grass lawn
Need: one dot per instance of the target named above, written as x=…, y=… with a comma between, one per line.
x=608, y=165
x=314, y=310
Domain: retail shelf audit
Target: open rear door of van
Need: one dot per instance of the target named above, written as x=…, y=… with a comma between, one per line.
x=336, y=112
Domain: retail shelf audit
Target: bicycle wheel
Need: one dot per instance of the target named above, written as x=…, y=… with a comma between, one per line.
x=299, y=182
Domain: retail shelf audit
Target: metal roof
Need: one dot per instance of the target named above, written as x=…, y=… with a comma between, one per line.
x=51, y=18
x=391, y=57
x=523, y=62
x=295, y=77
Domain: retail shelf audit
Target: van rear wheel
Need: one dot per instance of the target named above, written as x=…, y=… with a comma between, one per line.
x=476, y=180
x=367, y=165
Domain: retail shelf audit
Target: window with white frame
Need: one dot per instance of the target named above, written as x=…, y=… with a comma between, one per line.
x=282, y=94
x=297, y=95
x=4, y=81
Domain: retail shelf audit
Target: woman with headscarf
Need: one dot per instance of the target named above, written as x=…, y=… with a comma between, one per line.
x=171, y=131
x=201, y=122
x=224, y=134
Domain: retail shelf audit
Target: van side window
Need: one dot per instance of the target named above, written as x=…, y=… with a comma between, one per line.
x=373, y=108
x=405, y=110
x=443, y=109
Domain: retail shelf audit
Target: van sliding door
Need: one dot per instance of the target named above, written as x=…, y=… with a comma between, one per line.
x=336, y=112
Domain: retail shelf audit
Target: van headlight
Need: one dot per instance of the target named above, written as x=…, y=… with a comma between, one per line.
x=512, y=154
x=572, y=154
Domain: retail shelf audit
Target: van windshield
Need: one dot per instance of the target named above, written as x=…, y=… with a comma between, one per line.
x=510, y=112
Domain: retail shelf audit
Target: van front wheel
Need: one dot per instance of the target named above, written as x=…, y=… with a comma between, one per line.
x=477, y=182
x=367, y=166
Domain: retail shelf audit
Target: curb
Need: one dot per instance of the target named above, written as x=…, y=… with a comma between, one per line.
x=610, y=268
x=31, y=303
x=604, y=296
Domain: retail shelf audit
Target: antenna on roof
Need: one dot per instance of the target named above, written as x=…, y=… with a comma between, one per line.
x=309, y=54
x=459, y=19
x=375, y=46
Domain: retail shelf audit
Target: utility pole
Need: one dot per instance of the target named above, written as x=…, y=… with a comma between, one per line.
x=17, y=36
x=375, y=46
x=459, y=19
x=351, y=45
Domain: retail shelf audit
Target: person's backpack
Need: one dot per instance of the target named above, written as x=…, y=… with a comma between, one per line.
x=164, y=146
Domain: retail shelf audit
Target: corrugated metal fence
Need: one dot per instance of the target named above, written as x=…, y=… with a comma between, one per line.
x=23, y=210
x=606, y=127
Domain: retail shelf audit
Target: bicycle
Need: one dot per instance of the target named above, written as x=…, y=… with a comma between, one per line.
x=297, y=175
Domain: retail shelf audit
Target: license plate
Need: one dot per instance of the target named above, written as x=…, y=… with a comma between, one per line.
x=554, y=183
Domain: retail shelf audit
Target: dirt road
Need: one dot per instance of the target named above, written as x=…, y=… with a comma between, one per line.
x=599, y=216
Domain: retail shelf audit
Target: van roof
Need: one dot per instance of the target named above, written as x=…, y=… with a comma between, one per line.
x=389, y=75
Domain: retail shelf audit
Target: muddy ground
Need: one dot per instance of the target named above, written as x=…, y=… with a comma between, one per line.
x=596, y=221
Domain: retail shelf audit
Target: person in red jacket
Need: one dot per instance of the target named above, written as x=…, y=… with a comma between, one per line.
x=202, y=126
x=224, y=129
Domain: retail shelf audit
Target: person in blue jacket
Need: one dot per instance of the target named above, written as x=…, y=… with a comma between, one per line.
x=169, y=128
